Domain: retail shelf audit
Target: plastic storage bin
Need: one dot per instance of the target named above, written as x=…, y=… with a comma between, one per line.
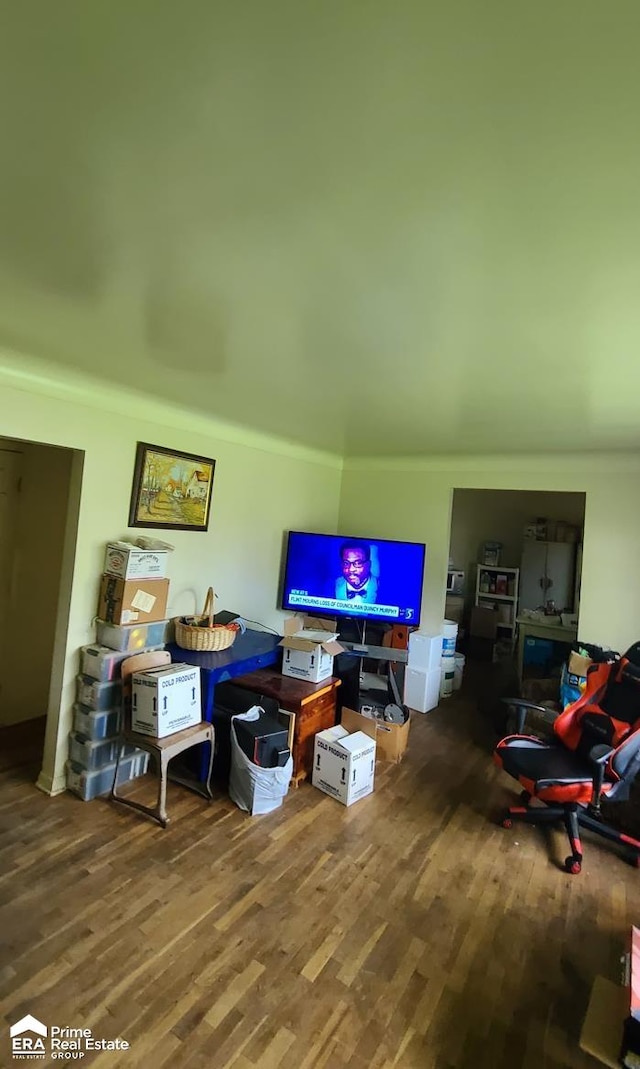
x=132, y=638
x=449, y=637
x=96, y=695
x=537, y=651
x=458, y=671
x=96, y=724
x=93, y=755
x=88, y=785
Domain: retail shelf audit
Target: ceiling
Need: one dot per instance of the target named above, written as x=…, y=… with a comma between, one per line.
x=392, y=227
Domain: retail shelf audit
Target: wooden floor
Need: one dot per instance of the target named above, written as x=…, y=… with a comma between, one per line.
x=409, y=930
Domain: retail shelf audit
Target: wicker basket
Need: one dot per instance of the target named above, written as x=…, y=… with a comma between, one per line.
x=205, y=636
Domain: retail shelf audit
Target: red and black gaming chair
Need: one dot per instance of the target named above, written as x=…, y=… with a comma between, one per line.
x=595, y=754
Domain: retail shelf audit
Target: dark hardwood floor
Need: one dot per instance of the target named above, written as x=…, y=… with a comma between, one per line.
x=410, y=930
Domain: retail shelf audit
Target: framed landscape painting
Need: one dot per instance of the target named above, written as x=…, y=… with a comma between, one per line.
x=170, y=489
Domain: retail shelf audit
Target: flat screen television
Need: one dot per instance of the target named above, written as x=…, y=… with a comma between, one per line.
x=371, y=578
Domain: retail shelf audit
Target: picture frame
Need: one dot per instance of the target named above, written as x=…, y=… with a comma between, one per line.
x=171, y=489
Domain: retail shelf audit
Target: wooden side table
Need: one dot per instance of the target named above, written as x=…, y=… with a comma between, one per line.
x=313, y=704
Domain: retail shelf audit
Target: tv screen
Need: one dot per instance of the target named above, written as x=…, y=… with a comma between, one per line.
x=372, y=578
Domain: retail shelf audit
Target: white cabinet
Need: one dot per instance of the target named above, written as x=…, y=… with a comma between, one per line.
x=548, y=574
x=498, y=588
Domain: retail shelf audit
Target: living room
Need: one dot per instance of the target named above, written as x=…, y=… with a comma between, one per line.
x=362, y=259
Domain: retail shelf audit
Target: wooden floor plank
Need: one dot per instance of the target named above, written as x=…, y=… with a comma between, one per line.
x=408, y=931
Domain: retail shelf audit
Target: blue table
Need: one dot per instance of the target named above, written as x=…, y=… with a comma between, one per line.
x=253, y=650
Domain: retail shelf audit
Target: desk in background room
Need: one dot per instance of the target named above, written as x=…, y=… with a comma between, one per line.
x=529, y=628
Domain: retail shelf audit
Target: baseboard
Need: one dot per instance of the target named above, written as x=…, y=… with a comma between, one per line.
x=51, y=785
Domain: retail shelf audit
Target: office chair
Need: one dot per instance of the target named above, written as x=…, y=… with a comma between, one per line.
x=161, y=750
x=594, y=755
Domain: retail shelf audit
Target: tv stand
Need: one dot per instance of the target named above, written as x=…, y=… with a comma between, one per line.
x=377, y=653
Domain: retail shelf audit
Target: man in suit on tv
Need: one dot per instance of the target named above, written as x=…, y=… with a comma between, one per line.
x=357, y=582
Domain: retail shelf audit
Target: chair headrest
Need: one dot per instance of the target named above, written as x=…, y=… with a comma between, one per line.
x=633, y=655
x=631, y=671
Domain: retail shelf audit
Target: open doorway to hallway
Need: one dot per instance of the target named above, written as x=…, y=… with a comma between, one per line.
x=515, y=554
x=39, y=498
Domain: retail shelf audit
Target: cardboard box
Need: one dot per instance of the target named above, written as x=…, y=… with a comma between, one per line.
x=578, y=665
x=484, y=622
x=165, y=700
x=422, y=689
x=391, y=739
x=344, y=764
x=309, y=648
x=129, y=601
x=133, y=638
x=129, y=562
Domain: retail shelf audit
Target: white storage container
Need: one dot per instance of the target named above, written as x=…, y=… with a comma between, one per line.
x=449, y=637
x=458, y=670
x=425, y=651
x=447, y=674
x=422, y=689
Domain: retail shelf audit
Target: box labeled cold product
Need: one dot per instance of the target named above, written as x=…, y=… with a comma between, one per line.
x=132, y=601
x=130, y=562
x=309, y=648
x=132, y=638
x=344, y=764
x=165, y=700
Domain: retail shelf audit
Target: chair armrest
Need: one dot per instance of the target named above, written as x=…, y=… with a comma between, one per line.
x=598, y=755
x=521, y=707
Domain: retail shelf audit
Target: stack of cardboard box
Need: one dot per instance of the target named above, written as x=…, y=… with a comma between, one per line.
x=131, y=619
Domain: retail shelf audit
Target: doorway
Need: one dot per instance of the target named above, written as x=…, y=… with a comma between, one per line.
x=538, y=540
x=39, y=500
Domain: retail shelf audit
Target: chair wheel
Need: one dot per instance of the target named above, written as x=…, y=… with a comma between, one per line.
x=507, y=822
x=573, y=865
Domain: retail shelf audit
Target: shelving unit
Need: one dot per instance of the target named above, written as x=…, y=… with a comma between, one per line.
x=499, y=586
